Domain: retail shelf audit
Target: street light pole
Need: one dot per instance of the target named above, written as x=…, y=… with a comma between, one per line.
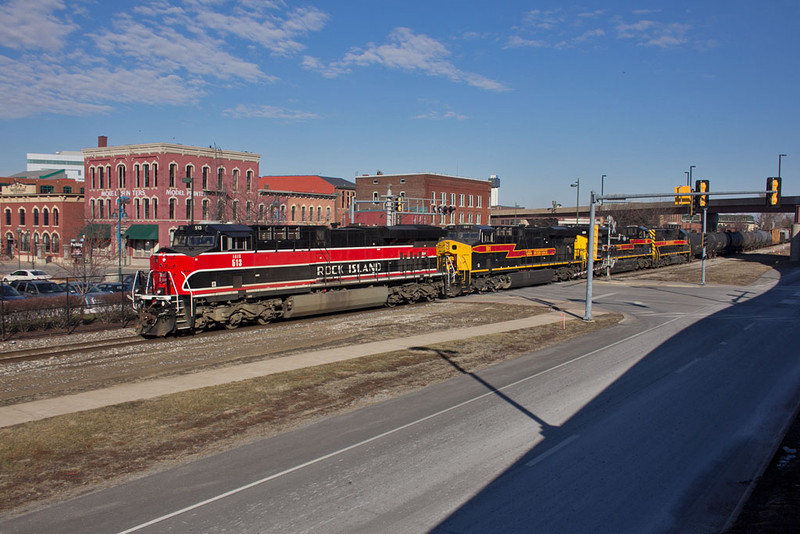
x=577, y=185
x=779, y=163
x=121, y=201
x=190, y=180
x=689, y=182
x=602, y=187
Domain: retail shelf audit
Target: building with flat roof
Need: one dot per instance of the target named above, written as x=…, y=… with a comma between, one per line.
x=150, y=189
x=308, y=199
x=71, y=162
x=425, y=198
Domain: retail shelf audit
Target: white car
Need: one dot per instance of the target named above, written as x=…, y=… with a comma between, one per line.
x=27, y=274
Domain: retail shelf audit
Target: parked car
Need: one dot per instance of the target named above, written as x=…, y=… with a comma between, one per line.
x=94, y=299
x=9, y=293
x=79, y=288
x=27, y=274
x=112, y=287
x=38, y=288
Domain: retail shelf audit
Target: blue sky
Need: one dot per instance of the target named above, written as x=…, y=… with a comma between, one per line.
x=539, y=93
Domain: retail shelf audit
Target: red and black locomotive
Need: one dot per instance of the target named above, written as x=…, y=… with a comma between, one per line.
x=227, y=273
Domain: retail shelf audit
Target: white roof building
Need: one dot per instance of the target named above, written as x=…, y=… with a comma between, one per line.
x=70, y=161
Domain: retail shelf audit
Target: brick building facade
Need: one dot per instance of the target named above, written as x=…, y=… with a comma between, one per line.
x=39, y=217
x=423, y=197
x=160, y=186
x=309, y=199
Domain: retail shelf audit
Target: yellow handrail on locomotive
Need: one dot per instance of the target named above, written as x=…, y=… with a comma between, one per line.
x=448, y=250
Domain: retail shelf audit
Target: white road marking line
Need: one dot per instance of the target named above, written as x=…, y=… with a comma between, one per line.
x=333, y=454
x=685, y=367
x=554, y=450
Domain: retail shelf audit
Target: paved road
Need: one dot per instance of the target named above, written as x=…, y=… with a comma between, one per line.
x=655, y=425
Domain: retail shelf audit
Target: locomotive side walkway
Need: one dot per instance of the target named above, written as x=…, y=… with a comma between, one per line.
x=89, y=400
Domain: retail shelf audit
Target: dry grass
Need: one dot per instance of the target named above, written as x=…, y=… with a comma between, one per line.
x=66, y=455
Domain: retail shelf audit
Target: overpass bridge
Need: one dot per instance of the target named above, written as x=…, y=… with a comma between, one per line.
x=512, y=215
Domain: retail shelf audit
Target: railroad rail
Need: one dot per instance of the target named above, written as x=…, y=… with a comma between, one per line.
x=62, y=349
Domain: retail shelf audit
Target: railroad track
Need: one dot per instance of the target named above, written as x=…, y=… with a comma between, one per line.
x=66, y=349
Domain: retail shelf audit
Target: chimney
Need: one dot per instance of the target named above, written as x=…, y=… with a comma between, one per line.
x=102, y=141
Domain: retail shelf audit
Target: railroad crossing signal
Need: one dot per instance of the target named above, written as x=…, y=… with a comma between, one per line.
x=683, y=195
x=701, y=186
x=773, y=191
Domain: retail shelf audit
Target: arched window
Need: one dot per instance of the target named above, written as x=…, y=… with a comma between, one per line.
x=236, y=180
x=188, y=208
x=235, y=211
x=46, y=242
x=303, y=213
x=101, y=215
x=36, y=216
x=155, y=208
x=121, y=176
x=172, y=204
x=55, y=216
x=328, y=214
x=294, y=213
x=248, y=211
x=8, y=217
x=205, y=210
x=146, y=203
x=173, y=170
x=155, y=174
x=93, y=209
x=22, y=216
x=205, y=178
x=319, y=213
x=46, y=217
x=220, y=174
x=56, y=245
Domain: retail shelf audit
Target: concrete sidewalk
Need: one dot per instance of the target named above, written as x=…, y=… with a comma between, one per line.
x=89, y=400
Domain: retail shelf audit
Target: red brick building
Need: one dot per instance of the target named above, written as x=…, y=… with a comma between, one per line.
x=423, y=197
x=309, y=199
x=40, y=216
x=161, y=186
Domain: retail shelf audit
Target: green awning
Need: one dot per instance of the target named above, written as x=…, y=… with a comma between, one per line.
x=96, y=231
x=148, y=232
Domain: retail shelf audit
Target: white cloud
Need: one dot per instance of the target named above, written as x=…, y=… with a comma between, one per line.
x=172, y=51
x=27, y=24
x=269, y=112
x=653, y=33
x=409, y=51
x=561, y=29
x=441, y=115
x=157, y=52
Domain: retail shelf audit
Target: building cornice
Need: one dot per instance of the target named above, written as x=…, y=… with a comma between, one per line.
x=168, y=148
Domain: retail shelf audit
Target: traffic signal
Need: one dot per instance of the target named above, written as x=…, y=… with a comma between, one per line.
x=399, y=206
x=773, y=191
x=681, y=196
x=701, y=186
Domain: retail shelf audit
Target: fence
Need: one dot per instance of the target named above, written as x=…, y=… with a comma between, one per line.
x=61, y=307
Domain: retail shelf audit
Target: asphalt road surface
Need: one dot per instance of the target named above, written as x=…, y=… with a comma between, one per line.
x=655, y=425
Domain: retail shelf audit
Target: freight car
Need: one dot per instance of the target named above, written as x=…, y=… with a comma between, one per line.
x=227, y=274
x=720, y=243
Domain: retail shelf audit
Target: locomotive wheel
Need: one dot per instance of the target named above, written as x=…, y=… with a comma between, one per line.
x=234, y=321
